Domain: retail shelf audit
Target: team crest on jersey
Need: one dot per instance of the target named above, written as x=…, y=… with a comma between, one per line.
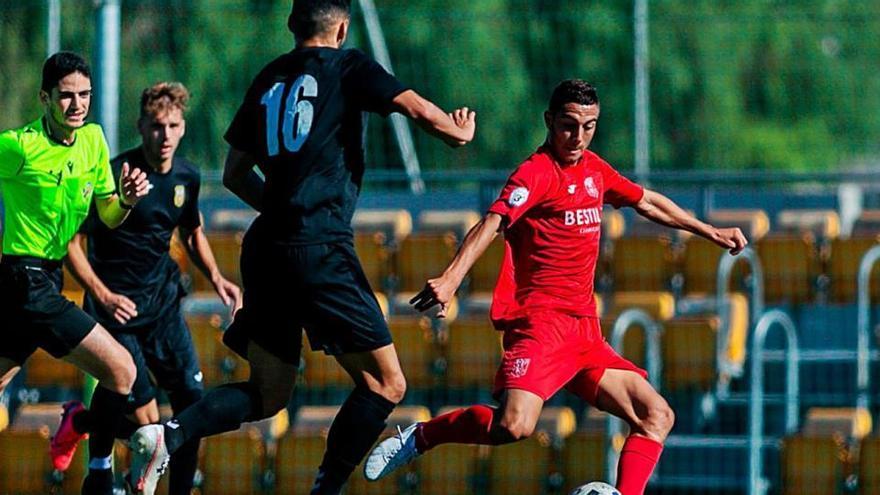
x=518, y=196
x=591, y=187
x=87, y=190
x=572, y=188
x=179, y=196
x=519, y=367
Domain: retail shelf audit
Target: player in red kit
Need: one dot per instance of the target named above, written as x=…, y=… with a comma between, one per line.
x=550, y=213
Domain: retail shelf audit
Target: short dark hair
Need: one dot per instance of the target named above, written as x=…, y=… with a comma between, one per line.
x=312, y=17
x=572, y=91
x=59, y=66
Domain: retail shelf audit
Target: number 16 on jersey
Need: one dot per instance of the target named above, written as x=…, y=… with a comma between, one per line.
x=296, y=118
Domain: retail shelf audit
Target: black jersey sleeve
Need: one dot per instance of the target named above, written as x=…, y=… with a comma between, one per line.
x=243, y=131
x=369, y=85
x=189, y=218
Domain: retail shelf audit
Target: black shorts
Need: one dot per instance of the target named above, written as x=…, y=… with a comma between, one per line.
x=34, y=313
x=166, y=350
x=320, y=288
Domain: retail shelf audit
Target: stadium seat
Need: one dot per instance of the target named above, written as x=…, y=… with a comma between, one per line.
x=822, y=457
x=633, y=341
x=791, y=266
x=583, y=455
x=375, y=257
x=754, y=223
x=41, y=370
x=234, y=463
x=869, y=459
x=26, y=469
x=227, y=252
x=76, y=296
x=232, y=220
x=71, y=284
x=423, y=256
x=659, y=305
x=472, y=348
x=394, y=225
x=219, y=363
x=377, y=235
x=459, y=222
x=700, y=267
x=843, y=268
x=453, y=468
x=814, y=465
x=643, y=263
x=35, y=417
x=417, y=351
x=823, y=224
x=483, y=276
x=689, y=353
x=300, y=452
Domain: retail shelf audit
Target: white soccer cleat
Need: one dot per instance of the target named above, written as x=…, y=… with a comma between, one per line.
x=149, y=458
x=392, y=453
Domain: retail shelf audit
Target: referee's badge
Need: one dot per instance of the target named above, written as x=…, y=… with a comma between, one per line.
x=179, y=195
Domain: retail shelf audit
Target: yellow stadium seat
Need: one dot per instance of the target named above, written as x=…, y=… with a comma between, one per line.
x=321, y=370
x=823, y=224
x=233, y=463
x=583, y=458
x=659, y=305
x=375, y=258
x=633, y=341
x=484, y=273
x=36, y=417
x=459, y=222
x=791, y=266
x=473, y=352
x=453, y=468
x=423, y=256
x=26, y=469
x=700, y=267
x=526, y=466
x=70, y=282
x=814, y=465
x=689, y=353
x=393, y=224
x=643, y=263
x=219, y=363
x=754, y=223
x=869, y=459
x=843, y=268
x=297, y=460
x=842, y=422
x=43, y=370
x=227, y=251
x=416, y=349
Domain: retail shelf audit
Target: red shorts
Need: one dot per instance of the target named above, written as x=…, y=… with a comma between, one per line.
x=550, y=350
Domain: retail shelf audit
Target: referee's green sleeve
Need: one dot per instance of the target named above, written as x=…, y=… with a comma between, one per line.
x=11, y=154
x=105, y=185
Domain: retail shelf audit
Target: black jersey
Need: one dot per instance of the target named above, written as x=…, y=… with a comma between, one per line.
x=133, y=259
x=302, y=120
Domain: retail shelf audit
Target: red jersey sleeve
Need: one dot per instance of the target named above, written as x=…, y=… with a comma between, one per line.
x=620, y=191
x=525, y=188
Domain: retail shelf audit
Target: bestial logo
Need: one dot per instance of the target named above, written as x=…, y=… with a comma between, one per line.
x=583, y=216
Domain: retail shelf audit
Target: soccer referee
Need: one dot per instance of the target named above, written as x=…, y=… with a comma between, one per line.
x=49, y=171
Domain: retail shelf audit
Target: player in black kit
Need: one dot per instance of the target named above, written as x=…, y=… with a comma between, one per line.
x=133, y=285
x=301, y=123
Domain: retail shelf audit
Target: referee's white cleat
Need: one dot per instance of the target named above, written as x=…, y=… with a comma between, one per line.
x=149, y=458
x=392, y=453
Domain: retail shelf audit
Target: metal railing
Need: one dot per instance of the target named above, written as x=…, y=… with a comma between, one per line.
x=757, y=483
x=863, y=351
x=626, y=320
x=756, y=307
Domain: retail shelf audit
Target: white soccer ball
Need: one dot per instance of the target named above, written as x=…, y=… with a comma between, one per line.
x=595, y=488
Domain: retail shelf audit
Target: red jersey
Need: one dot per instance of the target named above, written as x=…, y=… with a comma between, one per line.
x=553, y=218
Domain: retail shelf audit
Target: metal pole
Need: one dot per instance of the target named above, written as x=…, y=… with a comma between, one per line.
x=53, y=27
x=642, y=90
x=107, y=69
x=863, y=375
x=402, y=132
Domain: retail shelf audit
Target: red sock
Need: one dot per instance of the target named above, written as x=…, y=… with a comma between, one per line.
x=470, y=425
x=637, y=461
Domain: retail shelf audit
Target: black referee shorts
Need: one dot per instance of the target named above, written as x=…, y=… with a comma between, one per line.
x=34, y=313
x=320, y=288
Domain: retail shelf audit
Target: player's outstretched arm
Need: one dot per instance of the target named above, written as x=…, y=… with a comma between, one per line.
x=133, y=185
x=660, y=209
x=455, y=128
x=240, y=178
x=199, y=250
x=121, y=307
x=441, y=289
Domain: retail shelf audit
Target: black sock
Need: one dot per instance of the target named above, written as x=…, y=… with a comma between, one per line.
x=355, y=429
x=98, y=482
x=222, y=409
x=106, y=412
x=186, y=459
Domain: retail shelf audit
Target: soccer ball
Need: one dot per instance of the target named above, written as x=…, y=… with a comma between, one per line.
x=595, y=488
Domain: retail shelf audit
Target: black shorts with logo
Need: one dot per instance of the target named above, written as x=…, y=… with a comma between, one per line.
x=34, y=313
x=164, y=349
x=320, y=288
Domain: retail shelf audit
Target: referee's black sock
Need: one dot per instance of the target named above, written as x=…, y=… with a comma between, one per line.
x=222, y=409
x=355, y=429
